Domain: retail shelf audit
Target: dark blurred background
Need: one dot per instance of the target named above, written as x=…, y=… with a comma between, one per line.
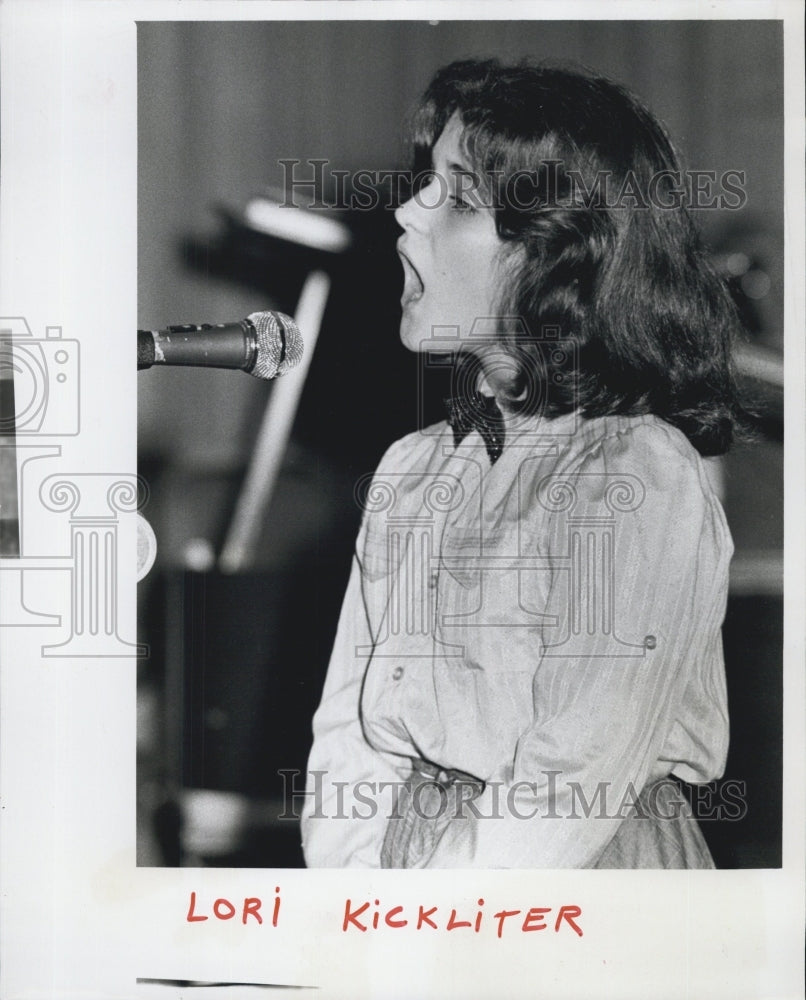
x=237, y=661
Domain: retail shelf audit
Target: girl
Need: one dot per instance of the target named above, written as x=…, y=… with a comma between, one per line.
x=529, y=651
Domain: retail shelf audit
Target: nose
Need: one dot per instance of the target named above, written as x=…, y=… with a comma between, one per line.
x=413, y=214
x=405, y=214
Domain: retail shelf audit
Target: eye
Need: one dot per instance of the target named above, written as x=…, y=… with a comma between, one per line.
x=465, y=192
x=459, y=203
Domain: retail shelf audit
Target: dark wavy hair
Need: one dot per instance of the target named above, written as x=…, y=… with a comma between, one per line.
x=625, y=282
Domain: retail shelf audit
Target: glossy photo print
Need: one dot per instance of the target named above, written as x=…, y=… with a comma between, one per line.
x=407, y=612
x=567, y=588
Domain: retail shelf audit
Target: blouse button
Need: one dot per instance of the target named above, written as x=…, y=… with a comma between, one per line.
x=650, y=642
x=397, y=673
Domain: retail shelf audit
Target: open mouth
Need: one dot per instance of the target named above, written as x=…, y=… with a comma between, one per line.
x=413, y=284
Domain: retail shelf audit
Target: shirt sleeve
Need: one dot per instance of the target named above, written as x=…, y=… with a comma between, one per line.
x=638, y=556
x=344, y=819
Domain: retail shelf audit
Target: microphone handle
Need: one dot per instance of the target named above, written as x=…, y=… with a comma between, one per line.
x=145, y=349
x=224, y=345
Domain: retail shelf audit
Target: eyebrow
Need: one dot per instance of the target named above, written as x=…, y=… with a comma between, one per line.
x=452, y=167
x=459, y=168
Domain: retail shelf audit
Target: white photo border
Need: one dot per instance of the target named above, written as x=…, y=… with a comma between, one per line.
x=79, y=919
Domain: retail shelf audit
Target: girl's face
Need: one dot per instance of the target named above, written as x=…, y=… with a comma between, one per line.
x=453, y=259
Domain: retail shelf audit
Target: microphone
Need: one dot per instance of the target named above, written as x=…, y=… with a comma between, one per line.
x=265, y=344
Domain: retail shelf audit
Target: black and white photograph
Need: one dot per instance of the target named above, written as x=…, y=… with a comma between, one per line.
x=546, y=225
x=440, y=523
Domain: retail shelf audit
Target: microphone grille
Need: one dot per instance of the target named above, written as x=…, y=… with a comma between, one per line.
x=279, y=344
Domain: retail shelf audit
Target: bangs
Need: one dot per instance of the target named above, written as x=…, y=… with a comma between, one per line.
x=512, y=121
x=474, y=91
x=516, y=119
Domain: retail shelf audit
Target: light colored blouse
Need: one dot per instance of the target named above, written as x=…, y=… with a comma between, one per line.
x=550, y=624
